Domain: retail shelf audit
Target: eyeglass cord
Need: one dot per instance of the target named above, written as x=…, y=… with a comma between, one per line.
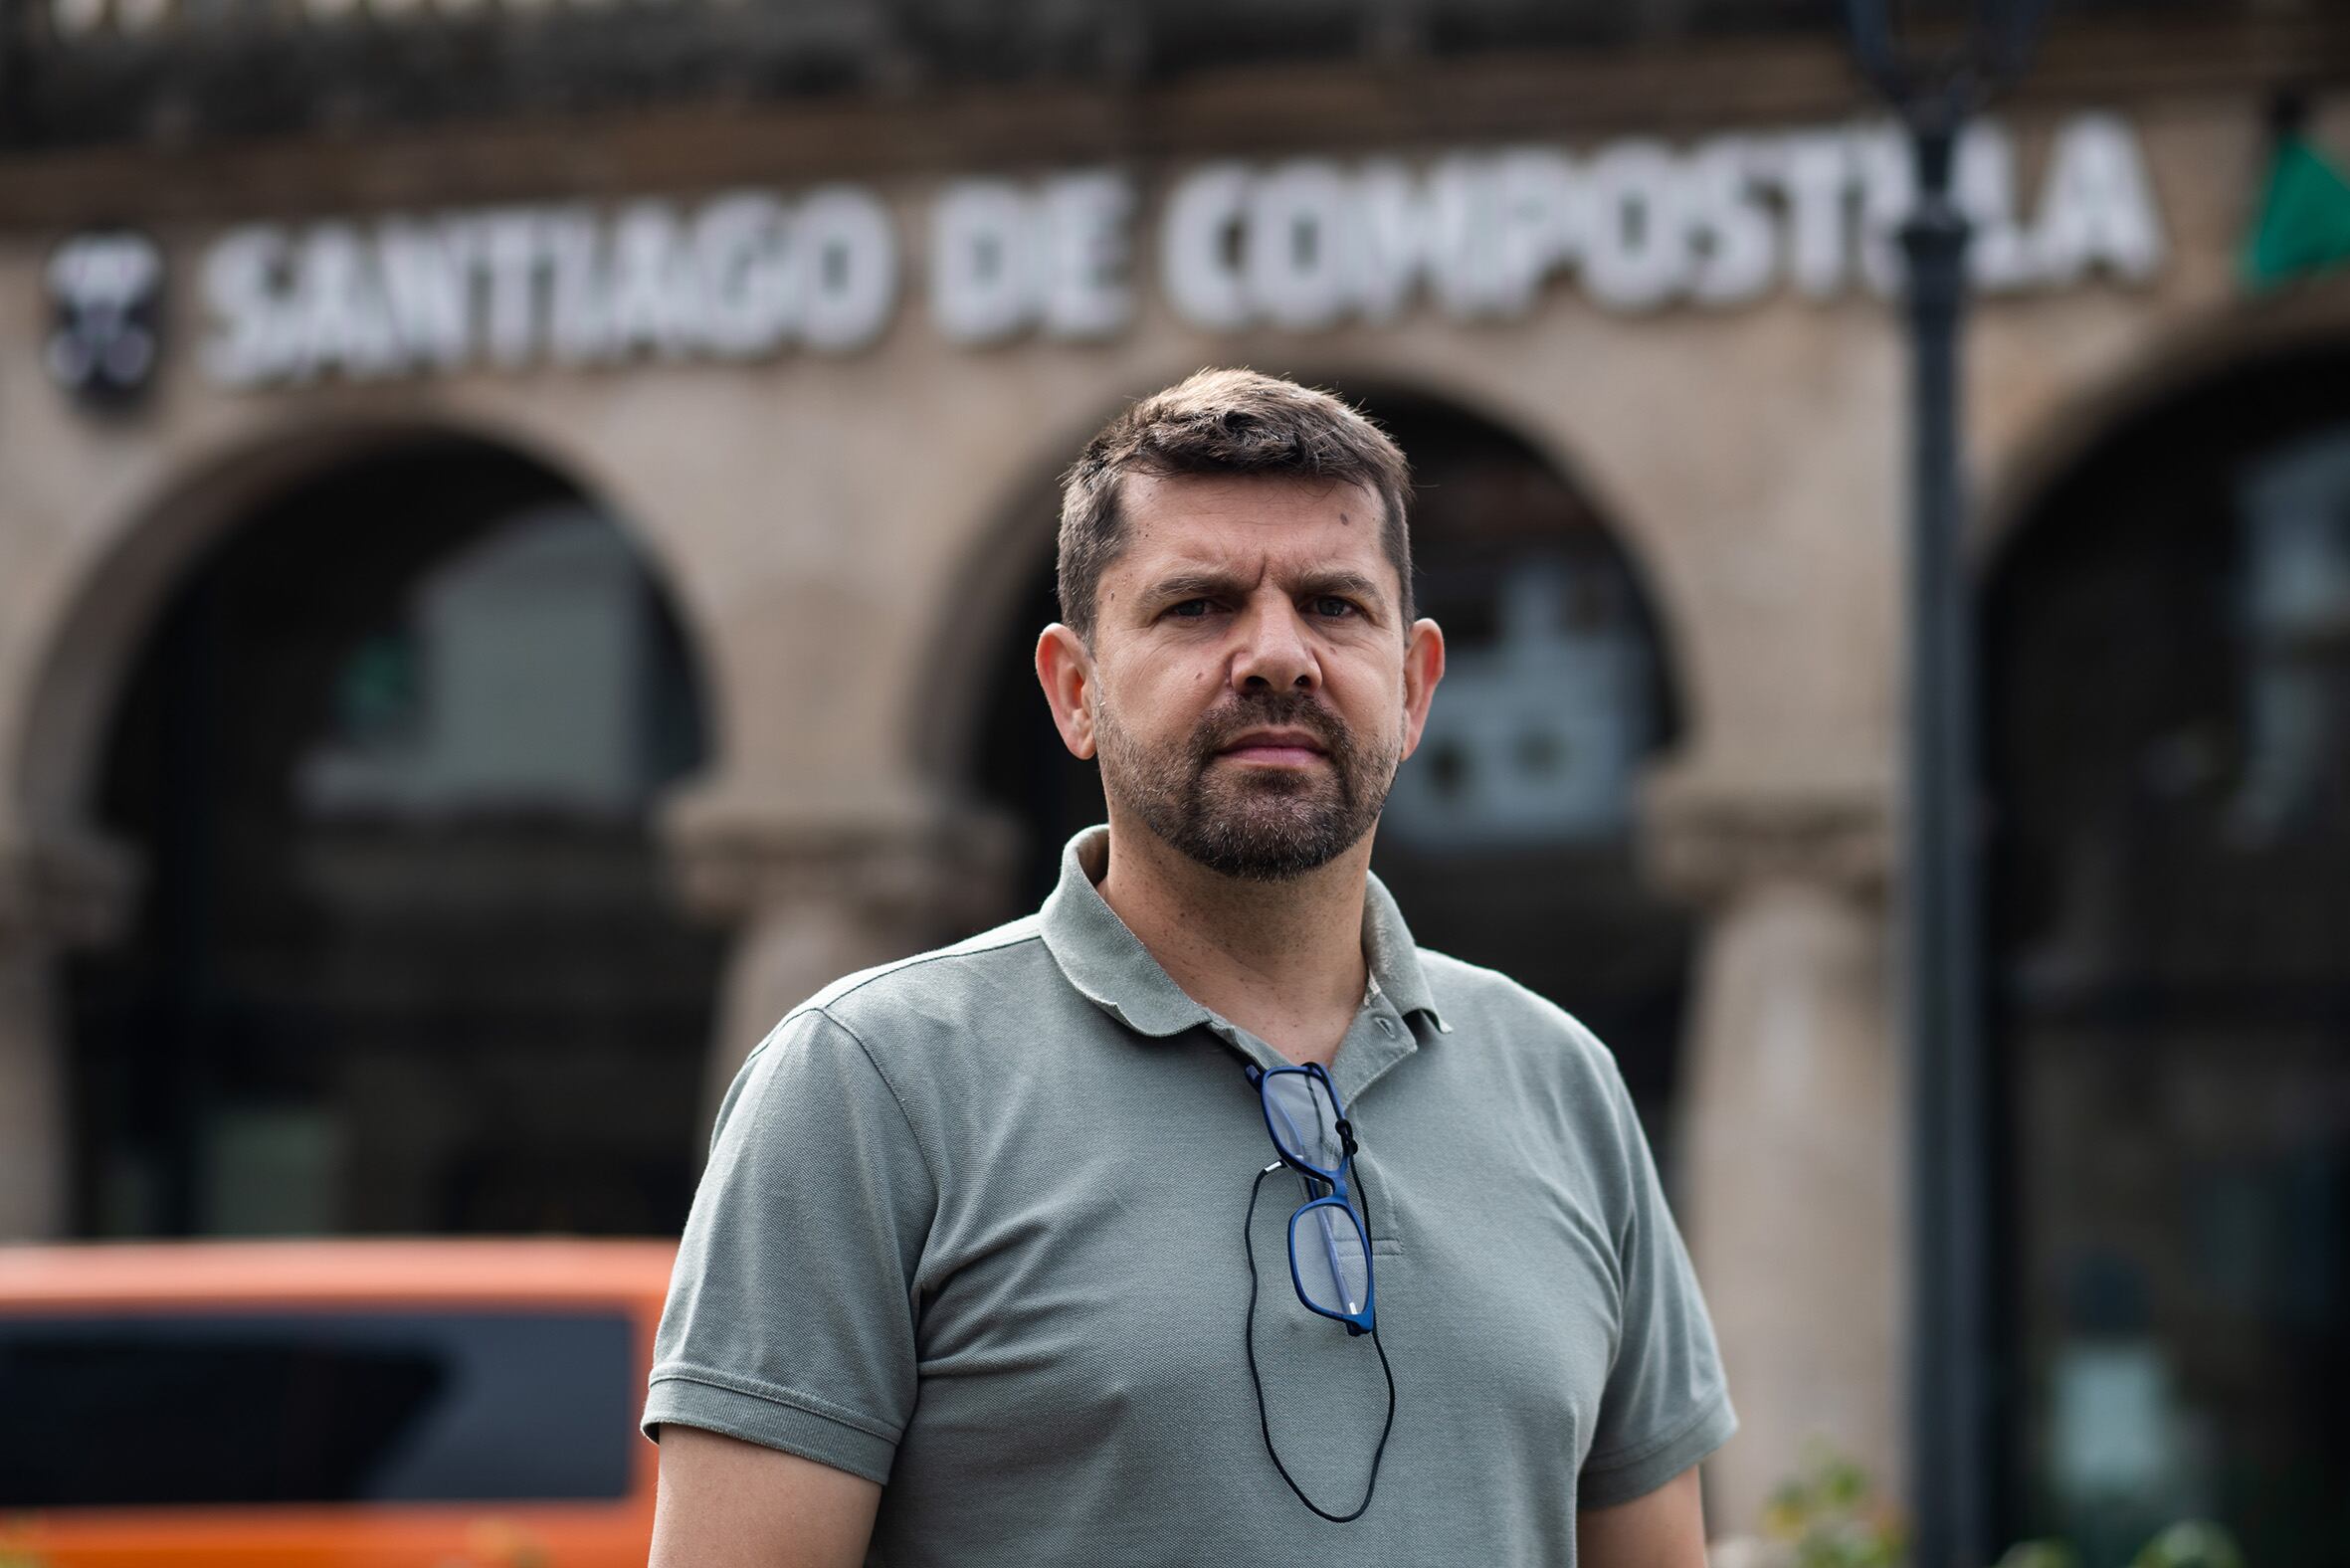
x=1265, y=1422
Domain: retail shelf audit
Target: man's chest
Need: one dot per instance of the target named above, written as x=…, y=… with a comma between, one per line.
x=1084, y=1299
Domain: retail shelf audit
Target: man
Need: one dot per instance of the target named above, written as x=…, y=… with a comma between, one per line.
x=980, y=1273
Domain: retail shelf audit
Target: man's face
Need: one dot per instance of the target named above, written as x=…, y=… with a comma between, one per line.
x=1252, y=685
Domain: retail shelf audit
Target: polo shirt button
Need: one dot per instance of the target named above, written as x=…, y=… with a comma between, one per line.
x=1387, y=1025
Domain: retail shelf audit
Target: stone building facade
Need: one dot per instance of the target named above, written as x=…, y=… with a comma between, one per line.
x=1648, y=263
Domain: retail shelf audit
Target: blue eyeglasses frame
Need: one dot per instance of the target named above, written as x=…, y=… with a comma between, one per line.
x=1338, y=1197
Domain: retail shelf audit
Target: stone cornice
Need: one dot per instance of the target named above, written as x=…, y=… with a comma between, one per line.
x=1685, y=87
x=1709, y=836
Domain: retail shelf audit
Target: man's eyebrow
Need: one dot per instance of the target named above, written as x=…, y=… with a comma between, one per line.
x=1179, y=586
x=1353, y=585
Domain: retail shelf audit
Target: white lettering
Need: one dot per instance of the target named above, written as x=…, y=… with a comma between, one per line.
x=1637, y=252
x=1291, y=250
x=427, y=273
x=1305, y=245
x=344, y=325
x=1538, y=225
x=1463, y=258
x=509, y=243
x=1736, y=249
x=652, y=298
x=1401, y=228
x=1086, y=252
x=577, y=330
x=1200, y=254
x=849, y=253
x=241, y=283
x=748, y=292
x=1881, y=161
x=981, y=287
x=1998, y=256
x=1813, y=172
x=2097, y=208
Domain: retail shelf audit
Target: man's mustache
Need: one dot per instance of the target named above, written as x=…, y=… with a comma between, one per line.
x=1280, y=709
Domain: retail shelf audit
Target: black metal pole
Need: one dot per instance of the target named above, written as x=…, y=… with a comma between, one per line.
x=1948, y=1404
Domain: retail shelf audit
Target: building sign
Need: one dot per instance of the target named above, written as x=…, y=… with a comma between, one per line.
x=1304, y=245
x=106, y=307
x=742, y=277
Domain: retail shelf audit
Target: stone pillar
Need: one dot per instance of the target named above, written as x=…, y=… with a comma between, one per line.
x=817, y=893
x=49, y=899
x=1792, y=1188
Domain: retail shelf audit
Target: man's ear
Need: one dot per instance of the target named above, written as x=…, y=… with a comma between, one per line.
x=1064, y=669
x=1424, y=667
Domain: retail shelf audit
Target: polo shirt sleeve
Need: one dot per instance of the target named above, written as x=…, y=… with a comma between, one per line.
x=790, y=1319
x=1667, y=1404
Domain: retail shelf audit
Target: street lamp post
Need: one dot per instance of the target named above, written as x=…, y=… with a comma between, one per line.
x=1934, y=89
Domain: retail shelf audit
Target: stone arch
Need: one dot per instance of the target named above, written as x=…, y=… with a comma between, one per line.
x=81, y=665
x=2166, y=713
x=2169, y=365
x=989, y=585
x=432, y=509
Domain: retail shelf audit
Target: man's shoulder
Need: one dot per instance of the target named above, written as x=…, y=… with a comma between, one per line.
x=1501, y=1014
x=977, y=966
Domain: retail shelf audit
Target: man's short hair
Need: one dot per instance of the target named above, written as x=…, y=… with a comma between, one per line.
x=1223, y=421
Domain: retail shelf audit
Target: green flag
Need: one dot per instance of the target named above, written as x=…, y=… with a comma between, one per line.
x=2305, y=223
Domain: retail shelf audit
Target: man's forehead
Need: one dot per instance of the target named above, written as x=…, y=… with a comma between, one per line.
x=1270, y=523
x=1266, y=498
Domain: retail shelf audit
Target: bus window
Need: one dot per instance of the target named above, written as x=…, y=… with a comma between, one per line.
x=312, y=1408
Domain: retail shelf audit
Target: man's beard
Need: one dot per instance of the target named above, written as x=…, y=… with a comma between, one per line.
x=1261, y=824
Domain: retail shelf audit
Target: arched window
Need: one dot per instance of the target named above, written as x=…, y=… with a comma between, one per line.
x=2168, y=718
x=403, y=960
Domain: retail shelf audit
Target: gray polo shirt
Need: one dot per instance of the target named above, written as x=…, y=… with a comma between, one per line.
x=972, y=1227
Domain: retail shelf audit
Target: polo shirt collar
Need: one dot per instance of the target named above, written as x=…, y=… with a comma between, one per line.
x=1111, y=967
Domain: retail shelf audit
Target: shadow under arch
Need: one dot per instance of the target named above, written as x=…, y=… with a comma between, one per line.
x=2166, y=715
x=2180, y=364
x=81, y=665
x=1562, y=691
x=992, y=587
x=388, y=743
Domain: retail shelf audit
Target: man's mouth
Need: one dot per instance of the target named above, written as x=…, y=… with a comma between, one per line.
x=1290, y=749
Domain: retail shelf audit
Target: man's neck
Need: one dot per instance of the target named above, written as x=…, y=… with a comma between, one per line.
x=1281, y=959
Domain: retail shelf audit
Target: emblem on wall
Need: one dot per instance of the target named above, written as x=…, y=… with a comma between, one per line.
x=106, y=306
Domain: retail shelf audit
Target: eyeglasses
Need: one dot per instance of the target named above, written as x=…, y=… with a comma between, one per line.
x=1330, y=1256
x=1329, y=1247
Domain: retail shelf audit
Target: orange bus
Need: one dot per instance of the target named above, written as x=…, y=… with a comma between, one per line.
x=426, y=1404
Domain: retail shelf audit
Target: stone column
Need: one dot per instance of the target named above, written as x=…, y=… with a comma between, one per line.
x=51, y=899
x=1791, y=1190
x=818, y=891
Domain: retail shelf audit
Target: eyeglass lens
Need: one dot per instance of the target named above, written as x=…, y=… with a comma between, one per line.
x=1304, y=1119
x=1332, y=1259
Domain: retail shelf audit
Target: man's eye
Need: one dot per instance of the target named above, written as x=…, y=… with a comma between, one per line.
x=1330, y=604
x=1189, y=609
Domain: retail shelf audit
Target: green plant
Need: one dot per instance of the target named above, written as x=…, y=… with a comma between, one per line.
x=1830, y=1516
x=2190, y=1543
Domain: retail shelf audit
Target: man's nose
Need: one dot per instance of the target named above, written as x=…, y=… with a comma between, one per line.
x=1274, y=653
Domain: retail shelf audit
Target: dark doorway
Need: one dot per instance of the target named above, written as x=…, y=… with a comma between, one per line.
x=1509, y=840
x=2168, y=725
x=404, y=960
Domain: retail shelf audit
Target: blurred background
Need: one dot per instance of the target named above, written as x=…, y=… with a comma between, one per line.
x=522, y=524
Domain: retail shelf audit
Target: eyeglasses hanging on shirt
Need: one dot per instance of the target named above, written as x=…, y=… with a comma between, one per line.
x=1329, y=1243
